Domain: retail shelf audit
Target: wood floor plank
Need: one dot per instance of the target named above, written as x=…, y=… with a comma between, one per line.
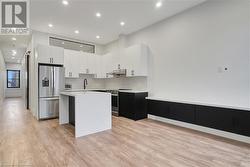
x=28, y=142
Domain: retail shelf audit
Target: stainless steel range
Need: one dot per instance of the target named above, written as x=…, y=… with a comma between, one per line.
x=115, y=100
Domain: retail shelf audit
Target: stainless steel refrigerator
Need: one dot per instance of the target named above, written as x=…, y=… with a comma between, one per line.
x=51, y=82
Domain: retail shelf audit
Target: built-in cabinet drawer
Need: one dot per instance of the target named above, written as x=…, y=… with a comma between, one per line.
x=133, y=105
x=158, y=108
x=241, y=122
x=213, y=117
x=230, y=120
x=182, y=112
x=176, y=111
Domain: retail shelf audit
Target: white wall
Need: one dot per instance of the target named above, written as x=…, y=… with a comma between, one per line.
x=33, y=83
x=190, y=50
x=135, y=83
x=2, y=77
x=15, y=92
x=77, y=83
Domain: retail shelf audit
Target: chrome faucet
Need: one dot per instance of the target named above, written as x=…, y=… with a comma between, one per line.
x=85, y=83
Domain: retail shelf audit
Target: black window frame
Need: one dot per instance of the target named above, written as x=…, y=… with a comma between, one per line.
x=19, y=80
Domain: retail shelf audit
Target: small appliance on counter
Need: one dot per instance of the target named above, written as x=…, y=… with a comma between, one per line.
x=68, y=87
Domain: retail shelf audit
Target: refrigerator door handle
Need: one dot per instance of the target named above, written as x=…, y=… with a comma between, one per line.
x=49, y=98
x=53, y=81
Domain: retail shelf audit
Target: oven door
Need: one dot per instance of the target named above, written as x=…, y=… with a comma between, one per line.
x=115, y=103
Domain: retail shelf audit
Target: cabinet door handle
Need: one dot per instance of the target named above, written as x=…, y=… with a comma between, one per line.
x=52, y=60
x=132, y=72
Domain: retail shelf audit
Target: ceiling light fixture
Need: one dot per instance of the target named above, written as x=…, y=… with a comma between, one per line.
x=13, y=39
x=122, y=23
x=81, y=46
x=50, y=25
x=76, y=31
x=98, y=15
x=13, y=57
x=64, y=2
x=13, y=52
x=97, y=37
x=63, y=43
x=158, y=4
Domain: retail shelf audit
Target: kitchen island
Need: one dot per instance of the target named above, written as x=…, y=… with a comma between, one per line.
x=92, y=111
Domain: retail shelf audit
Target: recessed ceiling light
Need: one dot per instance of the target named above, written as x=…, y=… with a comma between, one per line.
x=64, y=2
x=13, y=39
x=81, y=46
x=98, y=15
x=98, y=37
x=122, y=23
x=158, y=4
x=63, y=43
x=50, y=25
x=76, y=31
x=13, y=57
x=13, y=52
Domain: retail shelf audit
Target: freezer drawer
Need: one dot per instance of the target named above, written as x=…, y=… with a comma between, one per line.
x=48, y=108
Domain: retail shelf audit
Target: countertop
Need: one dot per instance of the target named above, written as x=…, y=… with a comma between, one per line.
x=199, y=103
x=133, y=91
x=84, y=90
x=79, y=90
x=81, y=93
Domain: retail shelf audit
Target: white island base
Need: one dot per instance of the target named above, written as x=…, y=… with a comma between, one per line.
x=92, y=111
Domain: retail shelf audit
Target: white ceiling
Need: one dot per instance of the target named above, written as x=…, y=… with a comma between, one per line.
x=80, y=15
x=9, y=58
x=7, y=45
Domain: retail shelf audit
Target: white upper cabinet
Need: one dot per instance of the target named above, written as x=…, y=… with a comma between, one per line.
x=133, y=58
x=50, y=54
x=57, y=55
x=80, y=63
x=108, y=65
x=136, y=60
x=72, y=63
x=100, y=73
x=91, y=63
x=115, y=62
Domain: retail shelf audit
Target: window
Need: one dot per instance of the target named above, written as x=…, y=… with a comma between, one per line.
x=13, y=78
x=72, y=45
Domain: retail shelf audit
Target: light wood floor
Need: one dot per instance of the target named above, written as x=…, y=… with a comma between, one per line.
x=27, y=142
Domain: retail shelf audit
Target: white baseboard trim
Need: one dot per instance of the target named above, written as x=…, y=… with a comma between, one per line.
x=220, y=133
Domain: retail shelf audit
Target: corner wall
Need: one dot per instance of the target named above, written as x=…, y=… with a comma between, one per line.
x=2, y=77
x=200, y=55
